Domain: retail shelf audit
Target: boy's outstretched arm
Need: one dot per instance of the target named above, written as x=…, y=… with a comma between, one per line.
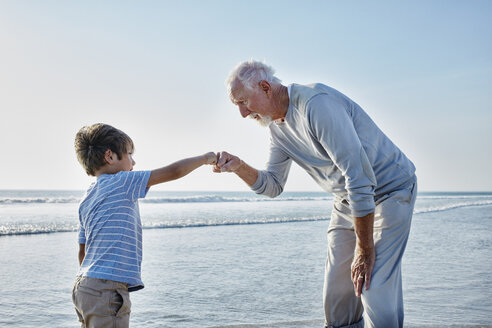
x=180, y=168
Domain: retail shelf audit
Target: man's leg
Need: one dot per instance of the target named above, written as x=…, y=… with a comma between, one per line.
x=383, y=302
x=342, y=307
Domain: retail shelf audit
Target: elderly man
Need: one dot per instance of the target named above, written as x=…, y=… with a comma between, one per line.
x=373, y=182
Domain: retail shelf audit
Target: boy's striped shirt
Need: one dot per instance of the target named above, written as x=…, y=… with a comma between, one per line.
x=111, y=229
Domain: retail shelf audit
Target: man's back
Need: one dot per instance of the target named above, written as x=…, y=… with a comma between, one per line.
x=329, y=119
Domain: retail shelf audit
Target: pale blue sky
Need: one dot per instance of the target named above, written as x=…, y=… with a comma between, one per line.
x=156, y=69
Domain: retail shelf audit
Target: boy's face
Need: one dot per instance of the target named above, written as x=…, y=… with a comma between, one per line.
x=126, y=162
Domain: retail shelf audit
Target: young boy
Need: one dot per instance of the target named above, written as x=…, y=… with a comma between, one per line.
x=110, y=236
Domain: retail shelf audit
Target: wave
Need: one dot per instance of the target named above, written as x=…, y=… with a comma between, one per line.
x=453, y=197
x=199, y=224
x=39, y=200
x=215, y=198
x=452, y=206
x=34, y=229
x=224, y=199
x=31, y=229
x=21, y=228
x=164, y=200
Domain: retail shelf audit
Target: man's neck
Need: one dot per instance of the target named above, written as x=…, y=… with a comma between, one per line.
x=281, y=94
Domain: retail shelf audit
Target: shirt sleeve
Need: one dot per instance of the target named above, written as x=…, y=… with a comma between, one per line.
x=271, y=181
x=135, y=183
x=332, y=125
x=81, y=238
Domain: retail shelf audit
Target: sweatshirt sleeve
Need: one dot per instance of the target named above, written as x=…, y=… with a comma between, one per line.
x=330, y=121
x=271, y=181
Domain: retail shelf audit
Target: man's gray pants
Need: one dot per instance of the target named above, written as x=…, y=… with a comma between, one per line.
x=382, y=305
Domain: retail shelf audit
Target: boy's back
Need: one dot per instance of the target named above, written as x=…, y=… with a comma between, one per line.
x=111, y=229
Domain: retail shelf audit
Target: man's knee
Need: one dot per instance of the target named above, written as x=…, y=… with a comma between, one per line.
x=383, y=307
x=341, y=305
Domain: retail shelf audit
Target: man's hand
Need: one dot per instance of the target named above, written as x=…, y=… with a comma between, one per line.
x=227, y=163
x=361, y=269
x=364, y=253
x=230, y=163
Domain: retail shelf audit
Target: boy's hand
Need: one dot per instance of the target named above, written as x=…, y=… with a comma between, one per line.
x=211, y=158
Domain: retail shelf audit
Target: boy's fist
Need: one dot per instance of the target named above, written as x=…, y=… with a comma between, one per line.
x=211, y=158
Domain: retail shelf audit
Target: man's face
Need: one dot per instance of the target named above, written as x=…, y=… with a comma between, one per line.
x=254, y=103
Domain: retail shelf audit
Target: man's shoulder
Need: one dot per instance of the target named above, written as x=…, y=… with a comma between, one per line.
x=301, y=94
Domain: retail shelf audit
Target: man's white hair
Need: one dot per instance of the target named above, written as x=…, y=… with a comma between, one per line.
x=250, y=73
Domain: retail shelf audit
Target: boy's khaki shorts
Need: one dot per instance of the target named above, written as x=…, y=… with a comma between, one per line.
x=101, y=303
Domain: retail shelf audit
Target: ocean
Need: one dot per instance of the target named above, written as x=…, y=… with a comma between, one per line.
x=235, y=259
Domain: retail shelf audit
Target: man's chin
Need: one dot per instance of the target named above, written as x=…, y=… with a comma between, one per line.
x=262, y=120
x=264, y=123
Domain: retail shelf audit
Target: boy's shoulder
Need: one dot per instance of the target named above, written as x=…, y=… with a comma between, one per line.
x=121, y=178
x=121, y=183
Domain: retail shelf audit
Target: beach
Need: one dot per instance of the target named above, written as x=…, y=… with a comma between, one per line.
x=238, y=260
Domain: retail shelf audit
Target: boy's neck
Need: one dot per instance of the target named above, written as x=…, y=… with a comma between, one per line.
x=106, y=169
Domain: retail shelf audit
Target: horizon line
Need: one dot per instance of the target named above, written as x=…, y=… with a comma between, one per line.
x=317, y=191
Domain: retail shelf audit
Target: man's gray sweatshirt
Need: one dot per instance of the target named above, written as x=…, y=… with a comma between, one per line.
x=337, y=143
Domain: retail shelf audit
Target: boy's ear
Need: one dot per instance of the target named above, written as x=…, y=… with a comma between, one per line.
x=108, y=156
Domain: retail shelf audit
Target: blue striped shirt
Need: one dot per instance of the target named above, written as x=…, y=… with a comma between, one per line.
x=111, y=229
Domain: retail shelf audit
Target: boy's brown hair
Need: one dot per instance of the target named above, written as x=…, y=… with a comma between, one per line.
x=91, y=143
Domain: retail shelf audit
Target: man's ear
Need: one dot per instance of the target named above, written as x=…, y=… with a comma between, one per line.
x=265, y=87
x=108, y=156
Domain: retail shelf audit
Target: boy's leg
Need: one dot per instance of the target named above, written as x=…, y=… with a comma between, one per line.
x=101, y=303
x=342, y=307
x=79, y=314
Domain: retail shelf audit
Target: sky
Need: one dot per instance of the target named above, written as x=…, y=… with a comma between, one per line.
x=422, y=69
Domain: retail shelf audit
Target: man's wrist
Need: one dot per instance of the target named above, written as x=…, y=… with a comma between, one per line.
x=239, y=167
x=365, y=248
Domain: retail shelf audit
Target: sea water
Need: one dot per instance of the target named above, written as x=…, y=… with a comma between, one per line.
x=235, y=259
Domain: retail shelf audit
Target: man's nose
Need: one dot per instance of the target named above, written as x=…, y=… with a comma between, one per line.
x=244, y=111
